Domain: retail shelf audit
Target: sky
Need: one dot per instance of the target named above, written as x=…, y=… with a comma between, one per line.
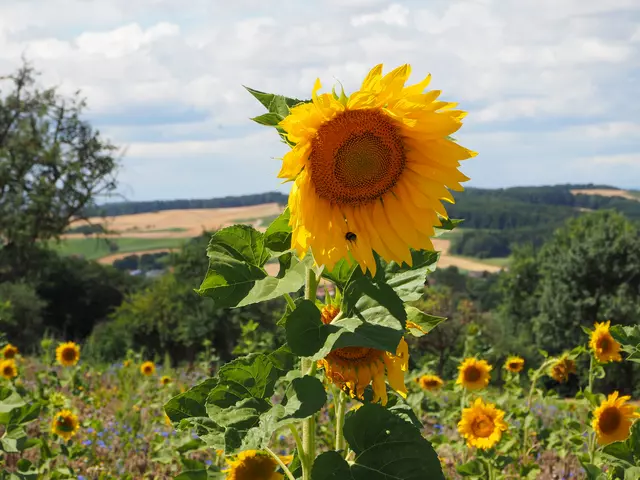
x=552, y=87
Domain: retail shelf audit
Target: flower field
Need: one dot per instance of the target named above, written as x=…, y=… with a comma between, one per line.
x=64, y=418
x=348, y=393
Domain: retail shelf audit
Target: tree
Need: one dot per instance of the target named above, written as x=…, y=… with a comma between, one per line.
x=53, y=164
x=589, y=271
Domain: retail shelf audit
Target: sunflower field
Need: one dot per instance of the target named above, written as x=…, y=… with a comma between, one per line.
x=342, y=398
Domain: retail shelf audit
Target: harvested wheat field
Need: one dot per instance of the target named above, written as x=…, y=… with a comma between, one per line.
x=605, y=192
x=180, y=223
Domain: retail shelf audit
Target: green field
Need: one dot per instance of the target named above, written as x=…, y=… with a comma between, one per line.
x=94, y=248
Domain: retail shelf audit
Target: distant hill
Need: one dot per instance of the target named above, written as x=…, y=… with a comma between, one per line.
x=129, y=208
x=494, y=219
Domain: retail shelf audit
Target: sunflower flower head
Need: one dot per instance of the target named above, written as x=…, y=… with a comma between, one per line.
x=474, y=374
x=562, y=368
x=9, y=351
x=126, y=363
x=514, y=364
x=605, y=347
x=147, y=369
x=254, y=465
x=612, y=420
x=68, y=354
x=370, y=170
x=482, y=425
x=65, y=424
x=8, y=369
x=430, y=382
x=165, y=380
x=352, y=369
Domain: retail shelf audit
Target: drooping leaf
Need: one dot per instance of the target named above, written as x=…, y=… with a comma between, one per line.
x=330, y=466
x=388, y=447
x=407, y=282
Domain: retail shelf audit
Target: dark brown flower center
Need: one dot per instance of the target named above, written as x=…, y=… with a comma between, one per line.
x=472, y=374
x=356, y=157
x=610, y=420
x=69, y=354
x=482, y=426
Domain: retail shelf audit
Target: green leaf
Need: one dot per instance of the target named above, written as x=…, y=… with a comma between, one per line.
x=619, y=451
x=193, y=475
x=305, y=397
x=278, y=234
x=273, y=102
x=474, y=468
x=274, y=287
x=14, y=440
x=341, y=273
x=306, y=334
x=388, y=447
x=269, y=119
x=330, y=466
x=407, y=282
x=236, y=276
x=448, y=224
x=425, y=322
x=9, y=402
x=190, y=403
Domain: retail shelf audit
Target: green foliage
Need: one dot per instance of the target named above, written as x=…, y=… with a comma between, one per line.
x=21, y=318
x=53, y=164
x=386, y=446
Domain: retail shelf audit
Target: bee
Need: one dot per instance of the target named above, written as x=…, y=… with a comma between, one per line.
x=350, y=236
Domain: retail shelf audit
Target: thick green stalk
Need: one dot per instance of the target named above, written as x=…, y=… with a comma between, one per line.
x=592, y=435
x=591, y=374
x=341, y=403
x=307, y=367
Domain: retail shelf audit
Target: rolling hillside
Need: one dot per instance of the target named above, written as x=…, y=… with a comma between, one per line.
x=494, y=219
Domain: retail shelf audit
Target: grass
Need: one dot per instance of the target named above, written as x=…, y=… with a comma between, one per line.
x=498, y=261
x=94, y=248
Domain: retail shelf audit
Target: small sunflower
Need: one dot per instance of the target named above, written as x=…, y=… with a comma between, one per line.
x=430, y=382
x=8, y=369
x=604, y=346
x=352, y=369
x=370, y=170
x=165, y=380
x=613, y=419
x=65, y=424
x=68, y=354
x=254, y=465
x=562, y=368
x=9, y=351
x=147, y=369
x=474, y=374
x=126, y=363
x=514, y=364
x=482, y=425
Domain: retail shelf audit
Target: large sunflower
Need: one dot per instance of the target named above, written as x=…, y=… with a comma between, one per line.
x=352, y=369
x=371, y=170
x=68, y=354
x=474, y=374
x=254, y=465
x=562, y=368
x=9, y=351
x=612, y=419
x=8, y=369
x=430, y=382
x=482, y=425
x=65, y=424
x=514, y=364
x=604, y=346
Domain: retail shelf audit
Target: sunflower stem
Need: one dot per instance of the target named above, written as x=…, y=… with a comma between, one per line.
x=591, y=374
x=307, y=367
x=281, y=463
x=290, y=302
x=341, y=403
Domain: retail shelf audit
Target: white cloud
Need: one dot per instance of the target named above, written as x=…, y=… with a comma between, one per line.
x=157, y=74
x=625, y=159
x=394, y=14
